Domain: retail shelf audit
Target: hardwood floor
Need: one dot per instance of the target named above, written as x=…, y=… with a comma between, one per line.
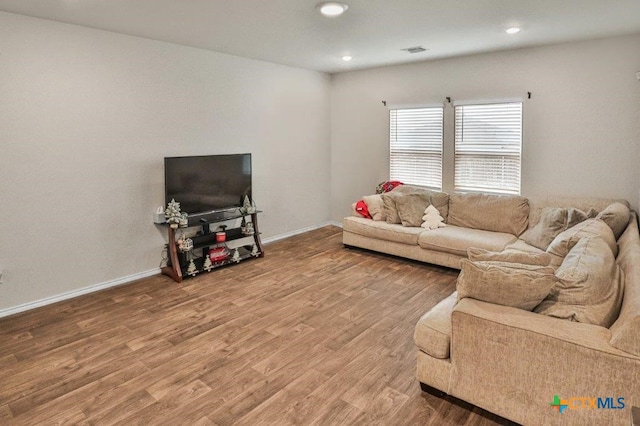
x=312, y=333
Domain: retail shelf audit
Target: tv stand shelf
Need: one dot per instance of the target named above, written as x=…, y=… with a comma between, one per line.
x=178, y=262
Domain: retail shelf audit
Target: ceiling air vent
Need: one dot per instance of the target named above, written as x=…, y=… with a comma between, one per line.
x=416, y=49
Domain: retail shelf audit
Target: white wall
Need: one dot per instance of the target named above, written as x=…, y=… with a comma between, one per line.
x=86, y=118
x=581, y=127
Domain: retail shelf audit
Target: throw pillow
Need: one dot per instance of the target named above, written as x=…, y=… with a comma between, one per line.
x=510, y=256
x=552, y=222
x=508, y=284
x=362, y=209
x=411, y=208
x=390, y=212
x=440, y=200
x=432, y=219
x=589, y=285
x=616, y=215
x=375, y=205
x=566, y=240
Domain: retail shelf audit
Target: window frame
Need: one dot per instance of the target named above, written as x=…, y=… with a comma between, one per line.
x=510, y=167
x=417, y=153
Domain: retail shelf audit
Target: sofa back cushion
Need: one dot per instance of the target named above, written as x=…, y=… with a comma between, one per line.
x=538, y=203
x=590, y=285
x=411, y=208
x=566, y=240
x=616, y=216
x=503, y=283
x=389, y=210
x=554, y=221
x=625, y=332
x=499, y=213
x=439, y=200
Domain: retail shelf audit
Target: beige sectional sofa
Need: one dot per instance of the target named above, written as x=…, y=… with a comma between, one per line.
x=511, y=361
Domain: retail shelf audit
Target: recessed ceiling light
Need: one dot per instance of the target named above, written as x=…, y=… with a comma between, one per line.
x=332, y=9
x=513, y=30
x=346, y=58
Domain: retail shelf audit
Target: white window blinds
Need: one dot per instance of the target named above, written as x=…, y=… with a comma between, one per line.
x=488, y=146
x=415, y=142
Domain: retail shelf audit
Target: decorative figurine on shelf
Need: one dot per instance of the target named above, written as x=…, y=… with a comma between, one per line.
x=208, y=266
x=192, y=270
x=184, y=220
x=172, y=213
x=236, y=256
x=246, y=205
x=254, y=251
x=184, y=244
x=248, y=228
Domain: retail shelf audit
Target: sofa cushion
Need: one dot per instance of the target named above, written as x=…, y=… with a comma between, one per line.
x=590, y=285
x=390, y=211
x=456, y=240
x=382, y=230
x=411, y=208
x=439, y=200
x=375, y=206
x=508, y=284
x=510, y=256
x=552, y=222
x=433, y=331
x=566, y=240
x=616, y=216
x=499, y=213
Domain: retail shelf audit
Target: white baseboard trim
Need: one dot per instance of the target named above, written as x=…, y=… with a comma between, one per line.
x=129, y=278
x=79, y=292
x=296, y=232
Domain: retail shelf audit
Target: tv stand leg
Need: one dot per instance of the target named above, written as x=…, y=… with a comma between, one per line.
x=256, y=234
x=173, y=270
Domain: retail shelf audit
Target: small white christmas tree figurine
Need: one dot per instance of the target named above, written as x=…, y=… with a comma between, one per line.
x=208, y=266
x=172, y=213
x=192, y=270
x=254, y=251
x=246, y=205
x=236, y=256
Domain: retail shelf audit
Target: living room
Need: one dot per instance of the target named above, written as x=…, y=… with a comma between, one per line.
x=89, y=115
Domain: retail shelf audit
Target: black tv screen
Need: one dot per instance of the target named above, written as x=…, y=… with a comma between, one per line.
x=207, y=183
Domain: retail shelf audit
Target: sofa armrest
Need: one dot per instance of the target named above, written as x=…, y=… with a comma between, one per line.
x=589, y=336
x=512, y=362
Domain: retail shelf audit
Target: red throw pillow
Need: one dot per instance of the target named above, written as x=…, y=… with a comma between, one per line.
x=362, y=209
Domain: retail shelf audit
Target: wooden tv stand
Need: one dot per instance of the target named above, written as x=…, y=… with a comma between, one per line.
x=205, y=239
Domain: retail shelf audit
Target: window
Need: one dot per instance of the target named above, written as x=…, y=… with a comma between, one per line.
x=488, y=146
x=416, y=146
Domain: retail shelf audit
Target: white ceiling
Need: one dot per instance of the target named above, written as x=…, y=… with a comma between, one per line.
x=292, y=32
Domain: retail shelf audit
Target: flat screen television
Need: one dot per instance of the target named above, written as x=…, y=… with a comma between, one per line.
x=207, y=183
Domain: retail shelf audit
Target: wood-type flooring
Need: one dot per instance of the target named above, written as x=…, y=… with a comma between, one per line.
x=312, y=333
